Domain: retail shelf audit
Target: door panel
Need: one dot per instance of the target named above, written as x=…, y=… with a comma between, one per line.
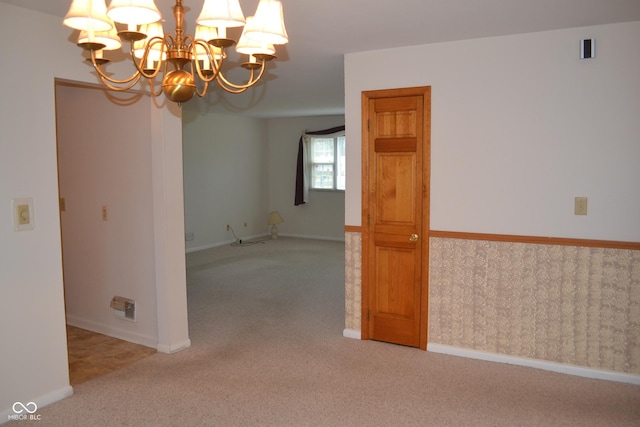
x=393, y=205
x=395, y=201
x=394, y=288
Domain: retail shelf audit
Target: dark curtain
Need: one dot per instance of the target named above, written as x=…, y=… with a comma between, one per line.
x=299, y=196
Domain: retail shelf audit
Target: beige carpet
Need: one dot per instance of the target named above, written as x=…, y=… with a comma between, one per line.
x=267, y=349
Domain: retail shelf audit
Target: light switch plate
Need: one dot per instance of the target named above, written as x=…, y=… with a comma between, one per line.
x=580, y=206
x=22, y=209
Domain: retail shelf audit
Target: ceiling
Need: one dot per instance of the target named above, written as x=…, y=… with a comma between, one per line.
x=308, y=78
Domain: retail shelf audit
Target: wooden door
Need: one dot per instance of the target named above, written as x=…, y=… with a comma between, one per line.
x=396, y=129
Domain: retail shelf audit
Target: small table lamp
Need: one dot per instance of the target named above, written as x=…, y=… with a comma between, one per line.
x=274, y=219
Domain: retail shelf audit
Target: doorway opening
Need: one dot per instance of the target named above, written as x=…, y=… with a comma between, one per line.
x=106, y=223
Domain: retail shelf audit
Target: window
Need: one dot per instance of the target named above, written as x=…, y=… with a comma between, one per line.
x=326, y=162
x=321, y=162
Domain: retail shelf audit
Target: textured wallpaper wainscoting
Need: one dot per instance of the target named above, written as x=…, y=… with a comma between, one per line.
x=564, y=304
x=353, y=280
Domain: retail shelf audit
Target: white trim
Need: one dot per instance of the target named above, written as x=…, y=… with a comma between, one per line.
x=41, y=401
x=307, y=236
x=170, y=349
x=251, y=238
x=534, y=363
x=351, y=333
x=209, y=246
x=247, y=239
x=101, y=328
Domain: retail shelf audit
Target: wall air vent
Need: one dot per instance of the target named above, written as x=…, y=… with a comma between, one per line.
x=124, y=308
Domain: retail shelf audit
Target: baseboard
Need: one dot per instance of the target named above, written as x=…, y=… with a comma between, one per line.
x=351, y=333
x=209, y=246
x=111, y=331
x=313, y=237
x=40, y=401
x=173, y=348
x=534, y=363
x=248, y=239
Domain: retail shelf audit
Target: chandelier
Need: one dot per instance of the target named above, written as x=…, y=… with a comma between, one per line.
x=187, y=63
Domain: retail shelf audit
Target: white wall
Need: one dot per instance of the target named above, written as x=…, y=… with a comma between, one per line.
x=520, y=126
x=106, y=166
x=33, y=366
x=323, y=215
x=225, y=177
x=238, y=169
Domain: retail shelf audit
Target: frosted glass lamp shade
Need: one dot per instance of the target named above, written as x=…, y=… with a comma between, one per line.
x=133, y=12
x=221, y=13
x=268, y=23
x=88, y=15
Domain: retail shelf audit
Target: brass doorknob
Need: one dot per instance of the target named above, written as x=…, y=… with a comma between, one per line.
x=413, y=237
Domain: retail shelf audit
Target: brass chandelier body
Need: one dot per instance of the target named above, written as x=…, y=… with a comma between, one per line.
x=182, y=59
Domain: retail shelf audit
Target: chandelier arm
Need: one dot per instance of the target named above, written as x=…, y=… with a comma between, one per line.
x=153, y=90
x=135, y=76
x=108, y=82
x=229, y=89
x=233, y=88
x=204, y=90
x=151, y=80
x=168, y=41
x=215, y=65
x=140, y=65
